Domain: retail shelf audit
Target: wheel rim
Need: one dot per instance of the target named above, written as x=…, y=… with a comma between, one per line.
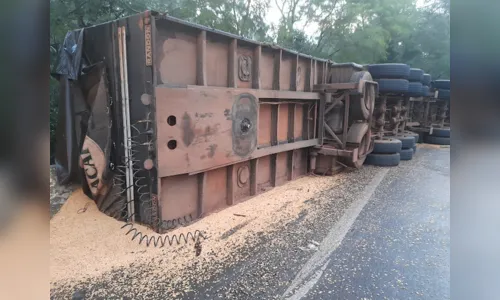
x=363, y=146
x=369, y=95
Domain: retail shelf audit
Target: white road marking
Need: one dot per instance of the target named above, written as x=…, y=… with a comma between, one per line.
x=304, y=289
x=315, y=266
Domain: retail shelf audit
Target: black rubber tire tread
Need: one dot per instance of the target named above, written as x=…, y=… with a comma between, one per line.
x=399, y=86
x=441, y=84
x=407, y=141
x=443, y=94
x=414, y=149
x=387, y=146
x=416, y=75
x=425, y=91
x=413, y=134
x=426, y=79
x=437, y=140
x=414, y=89
x=406, y=154
x=441, y=132
x=383, y=160
x=391, y=71
x=421, y=136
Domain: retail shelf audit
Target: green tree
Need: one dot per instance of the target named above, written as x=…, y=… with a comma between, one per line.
x=430, y=47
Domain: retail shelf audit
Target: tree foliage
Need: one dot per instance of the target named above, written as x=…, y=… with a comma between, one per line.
x=362, y=31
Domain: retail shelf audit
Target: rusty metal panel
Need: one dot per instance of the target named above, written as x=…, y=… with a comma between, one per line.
x=264, y=173
x=179, y=196
x=286, y=68
x=201, y=128
x=217, y=62
x=216, y=190
x=176, y=54
x=204, y=133
x=283, y=123
x=299, y=163
x=267, y=67
x=302, y=73
x=281, y=168
x=298, y=125
x=205, y=160
x=264, y=138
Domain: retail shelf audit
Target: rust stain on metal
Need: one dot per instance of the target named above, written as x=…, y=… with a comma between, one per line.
x=203, y=115
x=203, y=135
x=211, y=150
x=187, y=129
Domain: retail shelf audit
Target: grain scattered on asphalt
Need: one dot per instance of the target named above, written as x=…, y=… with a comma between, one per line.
x=90, y=244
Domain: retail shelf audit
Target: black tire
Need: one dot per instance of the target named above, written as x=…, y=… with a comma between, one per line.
x=425, y=91
x=398, y=86
x=416, y=75
x=421, y=137
x=407, y=141
x=385, y=160
x=441, y=132
x=414, y=149
x=414, y=89
x=387, y=146
x=444, y=94
x=406, y=154
x=413, y=134
x=391, y=71
x=426, y=79
x=437, y=140
x=441, y=84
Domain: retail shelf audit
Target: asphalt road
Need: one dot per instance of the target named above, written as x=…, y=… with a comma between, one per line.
x=399, y=245
x=384, y=234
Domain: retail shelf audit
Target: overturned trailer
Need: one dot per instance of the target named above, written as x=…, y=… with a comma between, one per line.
x=430, y=113
x=168, y=121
